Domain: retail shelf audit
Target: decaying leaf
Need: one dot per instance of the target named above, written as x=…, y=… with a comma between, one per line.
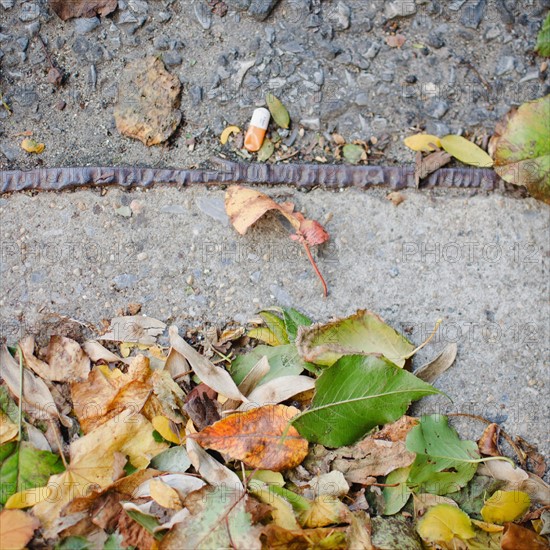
x=543, y=38
x=444, y=522
x=230, y=130
x=16, y=529
x=278, y=111
x=148, y=101
x=324, y=510
x=422, y=142
x=354, y=153
x=389, y=533
x=282, y=512
x=395, y=197
x=488, y=442
x=505, y=506
x=261, y=438
x=82, y=8
x=277, y=538
x=32, y=146
x=135, y=328
x=356, y=394
x=266, y=150
x=522, y=151
x=362, y=333
x=515, y=537
x=8, y=430
x=429, y=372
x=466, y=151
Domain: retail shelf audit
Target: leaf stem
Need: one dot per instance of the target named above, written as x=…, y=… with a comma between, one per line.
x=20, y=412
x=312, y=262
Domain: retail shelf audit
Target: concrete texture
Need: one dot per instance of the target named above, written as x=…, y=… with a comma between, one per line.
x=478, y=262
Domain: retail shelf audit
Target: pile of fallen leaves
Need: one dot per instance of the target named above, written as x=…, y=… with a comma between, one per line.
x=291, y=435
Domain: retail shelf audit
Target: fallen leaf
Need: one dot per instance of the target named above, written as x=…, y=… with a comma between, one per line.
x=471, y=498
x=422, y=142
x=395, y=197
x=266, y=150
x=488, y=442
x=396, y=497
x=131, y=525
x=535, y=460
x=338, y=139
x=217, y=520
x=282, y=512
x=215, y=377
x=278, y=111
x=395, y=40
x=356, y=394
x=278, y=390
x=444, y=522
x=360, y=531
x=136, y=328
x=230, y=130
x=202, y=406
x=164, y=495
x=82, y=8
x=466, y=151
x=8, y=430
x=430, y=371
x=504, y=471
x=353, y=153
x=277, y=538
x=148, y=101
x=364, y=332
x=504, y=506
x=175, y=460
x=324, y=510
x=16, y=529
x=182, y=484
x=522, y=151
x=424, y=501
x=261, y=438
x=444, y=463
x=170, y=432
x=543, y=38
x=516, y=537
x=32, y=146
x=98, y=353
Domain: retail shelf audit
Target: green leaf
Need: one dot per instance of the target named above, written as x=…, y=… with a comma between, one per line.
x=148, y=522
x=363, y=332
x=278, y=111
x=396, y=497
x=444, y=522
x=283, y=361
x=353, y=153
x=444, y=463
x=114, y=542
x=356, y=394
x=522, y=153
x=174, y=460
x=8, y=406
x=466, y=151
x=73, y=543
x=24, y=467
x=543, y=39
x=276, y=325
x=266, y=150
x=293, y=320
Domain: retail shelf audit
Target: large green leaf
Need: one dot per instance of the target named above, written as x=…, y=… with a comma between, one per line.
x=362, y=333
x=543, y=39
x=24, y=467
x=356, y=394
x=444, y=463
x=522, y=152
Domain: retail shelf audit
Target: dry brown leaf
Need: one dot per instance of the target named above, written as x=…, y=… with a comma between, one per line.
x=432, y=162
x=395, y=197
x=488, y=442
x=82, y=8
x=434, y=368
x=133, y=534
x=516, y=537
x=16, y=529
x=202, y=406
x=138, y=329
x=256, y=438
x=8, y=430
x=360, y=531
x=98, y=353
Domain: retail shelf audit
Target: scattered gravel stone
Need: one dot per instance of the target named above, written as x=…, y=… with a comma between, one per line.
x=172, y=58
x=437, y=108
x=161, y=42
x=281, y=296
x=7, y=4
x=260, y=9
x=173, y=209
x=473, y=14
x=362, y=99
x=311, y=123
x=435, y=40
x=196, y=94
x=125, y=280
x=214, y=207
x=9, y=151
x=437, y=128
x=84, y=25
x=505, y=65
x=339, y=16
x=400, y=8
x=203, y=15
x=163, y=16
x=29, y=12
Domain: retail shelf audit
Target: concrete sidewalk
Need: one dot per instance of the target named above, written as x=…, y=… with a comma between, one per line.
x=478, y=262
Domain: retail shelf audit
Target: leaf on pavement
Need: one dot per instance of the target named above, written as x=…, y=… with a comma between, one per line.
x=356, y=394
x=505, y=506
x=228, y=131
x=422, y=142
x=278, y=111
x=261, y=438
x=466, y=151
x=521, y=148
x=444, y=463
x=354, y=153
x=98, y=353
x=362, y=333
x=488, y=442
x=431, y=370
x=134, y=328
x=443, y=522
x=16, y=529
x=515, y=537
x=215, y=377
x=266, y=150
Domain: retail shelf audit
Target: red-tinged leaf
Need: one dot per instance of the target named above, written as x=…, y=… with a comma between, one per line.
x=261, y=438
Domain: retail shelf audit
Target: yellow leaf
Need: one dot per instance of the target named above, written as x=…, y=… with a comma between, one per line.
x=266, y=335
x=32, y=146
x=505, y=506
x=282, y=512
x=8, y=430
x=29, y=497
x=325, y=510
x=422, y=142
x=488, y=527
x=227, y=132
x=444, y=522
x=466, y=151
x=164, y=428
x=16, y=529
x=164, y=495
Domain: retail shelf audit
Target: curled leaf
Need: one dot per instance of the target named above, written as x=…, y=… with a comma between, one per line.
x=278, y=111
x=430, y=371
x=32, y=146
x=466, y=151
x=230, y=130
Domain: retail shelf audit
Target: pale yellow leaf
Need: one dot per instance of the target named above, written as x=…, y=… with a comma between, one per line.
x=282, y=512
x=422, y=142
x=444, y=522
x=8, y=430
x=164, y=495
x=505, y=506
x=32, y=146
x=466, y=151
x=227, y=132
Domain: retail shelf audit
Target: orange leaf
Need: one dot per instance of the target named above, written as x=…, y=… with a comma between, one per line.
x=261, y=438
x=16, y=529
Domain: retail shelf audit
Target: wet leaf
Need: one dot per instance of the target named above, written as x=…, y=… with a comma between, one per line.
x=278, y=111
x=356, y=394
x=422, y=142
x=82, y=8
x=443, y=523
x=256, y=438
x=32, y=146
x=363, y=332
x=23, y=467
x=444, y=463
x=504, y=506
x=543, y=38
x=8, y=430
x=522, y=151
x=353, y=153
x=466, y=151
x=516, y=537
x=16, y=529
x=230, y=130
x=429, y=372
x=266, y=150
